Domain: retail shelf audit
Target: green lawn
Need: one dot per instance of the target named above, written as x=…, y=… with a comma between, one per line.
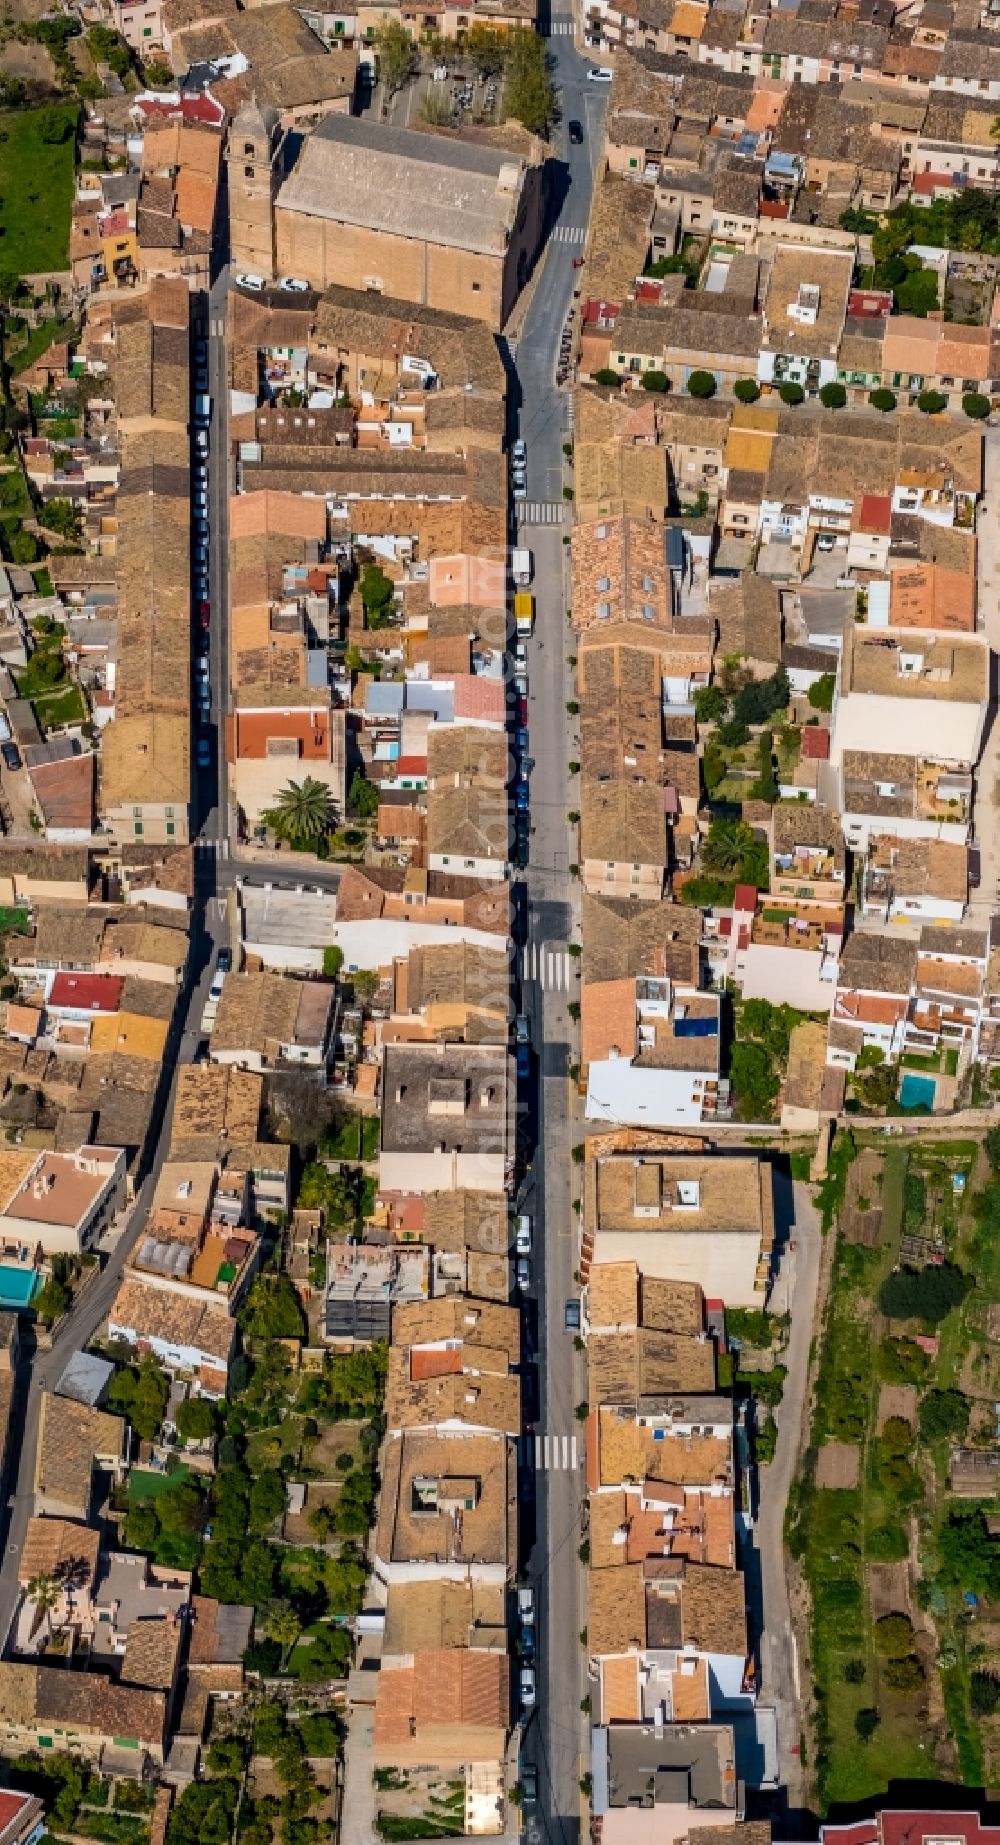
x=63, y=706
x=263, y=1445
x=144, y=1485
x=36, y=185
x=38, y=341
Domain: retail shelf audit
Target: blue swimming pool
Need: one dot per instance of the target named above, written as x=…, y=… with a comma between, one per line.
x=18, y=1286
x=917, y=1091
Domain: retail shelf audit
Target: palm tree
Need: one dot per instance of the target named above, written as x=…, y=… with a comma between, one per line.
x=45, y=1590
x=303, y=811
x=727, y=845
x=281, y=1623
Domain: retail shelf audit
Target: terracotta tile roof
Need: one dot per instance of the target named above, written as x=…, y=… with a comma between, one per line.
x=52, y=1543
x=442, y=1689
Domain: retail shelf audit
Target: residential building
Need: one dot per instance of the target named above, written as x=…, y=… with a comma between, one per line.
x=683, y=1217
x=447, y=1510
x=652, y=1780
x=59, y=1203
x=447, y=1118
x=117, y=1728
x=76, y=1445
x=265, y=1021
x=452, y=1365
x=652, y=1052
x=187, y=1337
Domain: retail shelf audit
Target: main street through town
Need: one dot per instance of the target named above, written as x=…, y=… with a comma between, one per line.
x=556, y=1736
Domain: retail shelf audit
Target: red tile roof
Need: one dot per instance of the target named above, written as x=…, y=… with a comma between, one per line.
x=815, y=743
x=876, y=512
x=91, y=992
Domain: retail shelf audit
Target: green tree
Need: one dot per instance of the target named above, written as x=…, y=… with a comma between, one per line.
x=333, y=961
x=761, y=699
x=281, y=1623
x=832, y=396
x=303, y=813
x=607, y=377
x=866, y=1722
x=727, y=845
x=710, y=704
x=197, y=1419
x=901, y=1361
x=529, y=93
x=932, y=402
x=896, y=1437
x=791, y=393
x=765, y=788
x=268, y=1497
x=486, y=48
x=927, y=1294
x=702, y=384
x=396, y=54
x=61, y=517
x=53, y=1300
x=821, y=692
x=54, y=125
x=943, y=1414
x=327, y=1657
x=976, y=406
x=655, y=381
x=893, y=1636
x=882, y=399
x=378, y=596
x=45, y=1590
x=984, y=1694
x=142, y=1528
x=918, y=294
x=969, y=1557
x=904, y=1674
x=273, y=1309
x=363, y=797
x=23, y=547
x=754, y=1080
x=746, y=390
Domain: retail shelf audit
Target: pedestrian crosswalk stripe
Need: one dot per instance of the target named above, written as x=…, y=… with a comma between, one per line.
x=556, y=1453
x=569, y=233
x=540, y=512
x=548, y=965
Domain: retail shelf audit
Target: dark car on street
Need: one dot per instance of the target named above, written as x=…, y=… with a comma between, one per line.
x=576, y=134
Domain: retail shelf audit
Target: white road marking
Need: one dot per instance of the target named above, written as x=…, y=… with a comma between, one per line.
x=540, y=512
x=556, y=1453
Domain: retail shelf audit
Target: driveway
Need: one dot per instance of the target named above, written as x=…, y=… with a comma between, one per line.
x=795, y=1290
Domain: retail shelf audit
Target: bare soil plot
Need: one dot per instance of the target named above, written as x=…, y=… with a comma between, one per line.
x=31, y=63
x=333, y=1439
x=838, y=1466
x=296, y=1528
x=897, y=1400
x=862, y=1215
x=889, y=1589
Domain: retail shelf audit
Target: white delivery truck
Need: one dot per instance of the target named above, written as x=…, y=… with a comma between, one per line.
x=520, y=567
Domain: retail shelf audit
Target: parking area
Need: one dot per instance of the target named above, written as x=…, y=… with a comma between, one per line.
x=443, y=96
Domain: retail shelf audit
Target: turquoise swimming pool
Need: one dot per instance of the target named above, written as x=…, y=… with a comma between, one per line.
x=917, y=1091
x=18, y=1286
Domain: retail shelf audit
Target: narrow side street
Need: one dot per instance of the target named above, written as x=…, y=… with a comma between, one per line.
x=795, y=1292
